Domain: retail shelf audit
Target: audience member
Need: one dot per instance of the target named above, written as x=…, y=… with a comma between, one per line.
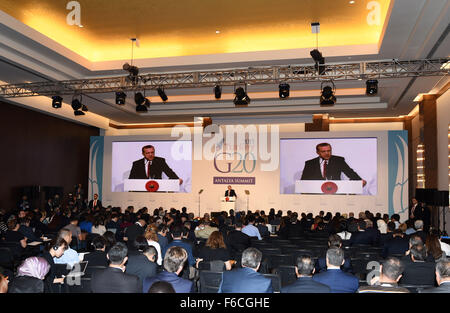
x=133, y=231
x=204, y=229
x=30, y=276
x=4, y=281
x=390, y=273
x=237, y=241
x=433, y=246
x=321, y=263
x=54, y=250
x=215, y=249
x=334, y=277
x=173, y=264
x=70, y=256
x=397, y=246
x=114, y=279
x=305, y=283
x=442, y=278
x=98, y=256
x=161, y=287
x=246, y=279
x=143, y=264
x=417, y=271
x=151, y=234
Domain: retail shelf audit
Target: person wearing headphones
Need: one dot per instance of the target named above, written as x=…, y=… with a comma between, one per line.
x=55, y=249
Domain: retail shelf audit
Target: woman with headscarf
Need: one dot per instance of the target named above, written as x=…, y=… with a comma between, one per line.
x=30, y=276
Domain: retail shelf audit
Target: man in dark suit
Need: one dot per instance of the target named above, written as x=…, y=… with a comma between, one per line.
x=327, y=166
x=143, y=264
x=246, y=279
x=321, y=263
x=442, y=278
x=237, y=241
x=419, y=226
x=305, y=283
x=362, y=237
x=97, y=257
x=151, y=167
x=334, y=277
x=417, y=270
x=230, y=192
x=173, y=265
x=134, y=231
x=113, y=279
x=398, y=245
x=95, y=204
x=390, y=273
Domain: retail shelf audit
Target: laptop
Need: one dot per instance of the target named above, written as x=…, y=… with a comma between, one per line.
x=78, y=269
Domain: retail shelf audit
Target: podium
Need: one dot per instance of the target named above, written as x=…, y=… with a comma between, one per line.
x=329, y=186
x=152, y=185
x=228, y=205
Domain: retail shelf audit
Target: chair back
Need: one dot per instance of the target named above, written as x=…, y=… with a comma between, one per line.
x=276, y=282
x=287, y=274
x=210, y=281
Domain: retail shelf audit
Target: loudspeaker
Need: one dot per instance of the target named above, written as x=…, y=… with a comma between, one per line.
x=442, y=198
x=427, y=195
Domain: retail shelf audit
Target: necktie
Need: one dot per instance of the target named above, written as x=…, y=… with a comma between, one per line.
x=148, y=170
x=325, y=169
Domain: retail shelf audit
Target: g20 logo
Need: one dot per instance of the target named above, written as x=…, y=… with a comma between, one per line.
x=246, y=163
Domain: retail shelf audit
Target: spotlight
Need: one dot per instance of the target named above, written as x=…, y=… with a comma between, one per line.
x=284, y=90
x=120, y=97
x=84, y=108
x=139, y=98
x=218, y=92
x=162, y=94
x=241, y=97
x=319, y=60
x=371, y=87
x=327, y=98
x=76, y=104
x=57, y=102
x=141, y=103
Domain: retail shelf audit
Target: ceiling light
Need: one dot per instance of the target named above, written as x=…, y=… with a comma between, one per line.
x=371, y=87
x=351, y=2
x=327, y=97
x=57, y=102
x=78, y=107
x=141, y=103
x=217, y=92
x=241, y=97
x=121, y=97
x=284, y=90
x=162, y=94
x=217, y=31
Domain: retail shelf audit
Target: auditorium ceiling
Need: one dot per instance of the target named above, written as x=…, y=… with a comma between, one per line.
x=173, y=28
x=37, y=44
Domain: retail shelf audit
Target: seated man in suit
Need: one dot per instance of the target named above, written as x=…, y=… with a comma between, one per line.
x=143, y=264
x=305, y=283
x=113, y=279
x=362, y=237
x=397, y=245
x=151, y=166
x=173, y=265
x=321, y=264
x=246, y=279
x=390, y=273
x=442, y=278
x=230, y=192
x=334, y=277
x=237, y=241
x=418, y=271
x=327, y=166
x=95, y=204
x=97, y=257
x=418, y=225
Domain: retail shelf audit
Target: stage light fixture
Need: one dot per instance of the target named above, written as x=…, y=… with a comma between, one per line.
x=217, y=92
x=133, y=70
x=371, y=87
x=84, y=108
x=121, y=97
x=139, y=98
x=241, y=97
x=284, y=90
x=76, y=104
x=162, y=94
x=141, y=103
x=319, y=60
x=327, y=97
x=57, y=102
